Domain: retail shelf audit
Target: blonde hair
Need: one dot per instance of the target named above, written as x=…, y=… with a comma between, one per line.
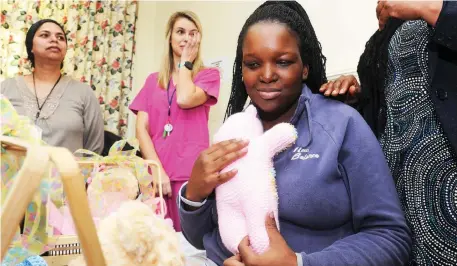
x=167, y=61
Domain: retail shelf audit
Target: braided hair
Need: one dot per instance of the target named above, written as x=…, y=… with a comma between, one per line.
x=295, y=18
x=372, y=70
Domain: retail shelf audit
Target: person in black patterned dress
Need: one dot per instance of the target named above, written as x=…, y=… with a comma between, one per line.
x=408, y=95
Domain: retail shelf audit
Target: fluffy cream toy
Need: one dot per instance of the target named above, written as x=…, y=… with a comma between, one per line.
x=135, y=235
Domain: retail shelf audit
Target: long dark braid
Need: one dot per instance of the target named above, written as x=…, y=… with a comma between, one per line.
x=294, y=16
x=372, y=70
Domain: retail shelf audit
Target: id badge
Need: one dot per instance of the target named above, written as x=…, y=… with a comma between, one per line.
x=37, y=132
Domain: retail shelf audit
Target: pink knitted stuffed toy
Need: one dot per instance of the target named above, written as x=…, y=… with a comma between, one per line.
x=244, y=202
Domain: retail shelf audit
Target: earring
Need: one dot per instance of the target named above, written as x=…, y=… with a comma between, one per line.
x=242, y=79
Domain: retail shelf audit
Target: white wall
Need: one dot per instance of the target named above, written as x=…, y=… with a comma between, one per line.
x=343, y=27
x=145, y=54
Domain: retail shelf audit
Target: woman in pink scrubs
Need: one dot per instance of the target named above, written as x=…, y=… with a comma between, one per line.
x=173, y=106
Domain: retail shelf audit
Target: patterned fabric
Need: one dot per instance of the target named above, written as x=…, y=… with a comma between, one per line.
x=34, y=240
x=30, y=261
x=100, y=47
x=419, y=154
x=33, y=261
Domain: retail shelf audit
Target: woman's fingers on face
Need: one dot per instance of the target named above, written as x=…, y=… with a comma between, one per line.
x=197, y=37
x=196, y=44
x=188, y=45
x=194, y=39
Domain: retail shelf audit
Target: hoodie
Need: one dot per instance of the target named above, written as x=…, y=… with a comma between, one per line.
x=337, y=200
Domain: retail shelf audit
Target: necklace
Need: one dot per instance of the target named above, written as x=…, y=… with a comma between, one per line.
x=36, y=96
x=168, y=127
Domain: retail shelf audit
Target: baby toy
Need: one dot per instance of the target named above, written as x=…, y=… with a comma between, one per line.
x=244, y=202
x=135, y=235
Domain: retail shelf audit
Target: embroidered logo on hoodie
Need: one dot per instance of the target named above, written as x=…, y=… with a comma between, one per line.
x=303, y=154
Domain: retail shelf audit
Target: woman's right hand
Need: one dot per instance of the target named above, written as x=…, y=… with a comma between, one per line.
x=344, y=85
x=206, y=174
x=166, y=185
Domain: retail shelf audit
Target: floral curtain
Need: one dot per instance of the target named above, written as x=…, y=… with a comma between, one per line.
x=100, y=47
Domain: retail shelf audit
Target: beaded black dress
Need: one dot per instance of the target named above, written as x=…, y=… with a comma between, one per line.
x=419, y=154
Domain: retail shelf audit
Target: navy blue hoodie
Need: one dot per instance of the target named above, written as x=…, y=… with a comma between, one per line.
x=337, y=200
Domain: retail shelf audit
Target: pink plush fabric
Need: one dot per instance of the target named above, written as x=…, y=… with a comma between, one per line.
x=244, y=202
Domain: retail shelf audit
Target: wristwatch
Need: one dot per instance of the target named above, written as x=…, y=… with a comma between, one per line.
x=183, y=199
x=187, y=64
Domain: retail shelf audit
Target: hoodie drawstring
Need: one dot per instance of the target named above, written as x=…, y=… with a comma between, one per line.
x=308, y=120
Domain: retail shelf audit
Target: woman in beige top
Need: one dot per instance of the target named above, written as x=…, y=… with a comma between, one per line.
x=65, y=110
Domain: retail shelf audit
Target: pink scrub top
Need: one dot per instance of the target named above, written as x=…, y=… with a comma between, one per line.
x=190, y=134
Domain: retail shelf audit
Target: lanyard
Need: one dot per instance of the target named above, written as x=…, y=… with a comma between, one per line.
x=168, y=127
x=169, y=99
x=36, y=96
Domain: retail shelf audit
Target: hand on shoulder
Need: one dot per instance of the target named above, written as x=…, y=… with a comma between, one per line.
x=345, y=84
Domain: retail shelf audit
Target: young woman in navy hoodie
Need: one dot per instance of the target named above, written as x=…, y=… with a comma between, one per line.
x=338, y=208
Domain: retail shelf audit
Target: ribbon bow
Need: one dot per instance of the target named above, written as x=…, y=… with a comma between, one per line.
x=117, y=156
